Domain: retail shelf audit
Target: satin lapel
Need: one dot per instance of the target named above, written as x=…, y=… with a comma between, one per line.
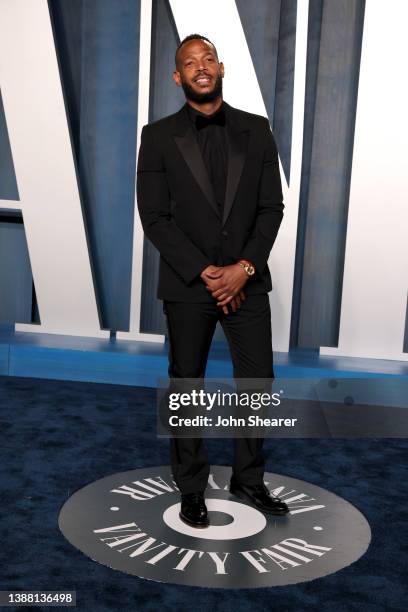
x=188, y=145
x=238, y=143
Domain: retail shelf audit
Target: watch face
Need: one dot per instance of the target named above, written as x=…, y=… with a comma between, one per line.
x=250, y=270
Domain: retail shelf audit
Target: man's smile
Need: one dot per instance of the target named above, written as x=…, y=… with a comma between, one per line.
x=203, y=79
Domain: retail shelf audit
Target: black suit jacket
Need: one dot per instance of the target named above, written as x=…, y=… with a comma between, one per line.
x=179, y=213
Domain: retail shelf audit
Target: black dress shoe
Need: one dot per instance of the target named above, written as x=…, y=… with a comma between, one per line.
x=193, y=510
x=259, y=496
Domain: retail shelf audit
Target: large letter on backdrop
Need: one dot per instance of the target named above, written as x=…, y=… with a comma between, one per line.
x=227, y=33
x=374, y=300
x=45, y=172
x=142, y=118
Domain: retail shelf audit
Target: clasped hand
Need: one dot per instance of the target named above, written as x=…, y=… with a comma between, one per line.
x=225, y=284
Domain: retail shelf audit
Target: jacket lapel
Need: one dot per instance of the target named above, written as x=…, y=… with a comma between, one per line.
x=187, y=143
x=238, y=143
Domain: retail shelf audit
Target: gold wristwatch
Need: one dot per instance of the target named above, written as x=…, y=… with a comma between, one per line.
x=248, y=267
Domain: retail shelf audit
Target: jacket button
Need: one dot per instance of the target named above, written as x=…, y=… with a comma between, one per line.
x=224, y=233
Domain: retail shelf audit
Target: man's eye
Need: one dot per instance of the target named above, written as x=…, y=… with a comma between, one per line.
x=210, y=59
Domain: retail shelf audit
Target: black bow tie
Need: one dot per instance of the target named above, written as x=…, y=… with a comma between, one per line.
x=217, y=119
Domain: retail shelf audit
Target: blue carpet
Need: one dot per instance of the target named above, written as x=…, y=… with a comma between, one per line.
x=57, y=436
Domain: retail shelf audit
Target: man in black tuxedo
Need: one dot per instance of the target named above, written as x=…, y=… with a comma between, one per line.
x=210, y=200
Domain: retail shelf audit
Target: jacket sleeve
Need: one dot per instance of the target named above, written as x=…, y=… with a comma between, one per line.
x=270, y=207
x=153, y=201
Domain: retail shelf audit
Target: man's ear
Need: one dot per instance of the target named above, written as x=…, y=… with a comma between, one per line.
x=221, y=65
x=176, y=77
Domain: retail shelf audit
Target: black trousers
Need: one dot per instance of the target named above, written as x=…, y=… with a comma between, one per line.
x=190, y=328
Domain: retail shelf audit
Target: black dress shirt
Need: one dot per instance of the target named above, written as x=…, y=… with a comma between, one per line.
x=212, y=140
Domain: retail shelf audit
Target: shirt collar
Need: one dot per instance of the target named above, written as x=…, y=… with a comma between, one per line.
x=193, y=112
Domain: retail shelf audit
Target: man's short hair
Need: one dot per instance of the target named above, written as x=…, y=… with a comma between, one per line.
x=194, y=37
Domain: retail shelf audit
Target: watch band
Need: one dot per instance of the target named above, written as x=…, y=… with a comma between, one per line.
x=248, y=266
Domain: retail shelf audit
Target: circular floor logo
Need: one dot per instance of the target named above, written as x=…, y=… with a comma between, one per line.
x=130, y=522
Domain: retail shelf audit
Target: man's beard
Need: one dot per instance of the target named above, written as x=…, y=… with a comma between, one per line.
x=207, y=96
